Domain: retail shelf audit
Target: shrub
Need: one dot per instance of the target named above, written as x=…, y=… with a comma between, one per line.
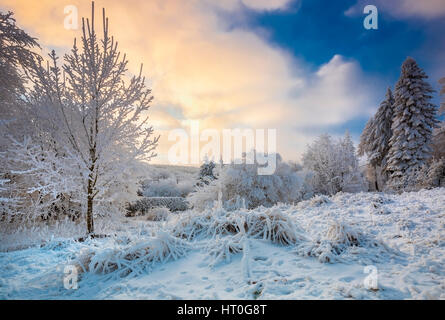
x=223, y=248
x=158, y=214
x=143, y=205
x=432, y=175
x=336, y=240
x=240, y=186
x=269, y=224
x=132, y=258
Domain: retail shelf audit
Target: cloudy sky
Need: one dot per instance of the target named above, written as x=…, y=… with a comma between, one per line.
x=303, y=67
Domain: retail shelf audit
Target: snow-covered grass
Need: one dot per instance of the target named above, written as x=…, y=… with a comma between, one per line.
x=317, y=249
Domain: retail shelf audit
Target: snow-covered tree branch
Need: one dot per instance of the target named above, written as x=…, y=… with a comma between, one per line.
x=89, y=110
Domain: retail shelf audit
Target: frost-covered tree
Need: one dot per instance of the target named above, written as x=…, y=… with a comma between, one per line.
x=413, y=124
x=432, y=175
x=15, y=55
x=374, y=141
x=239, y=185
x=382, y=132
x=365, y=137
x=89, y=111
x=40, y=183
x=442, y=92
x=206, y=173
x=439, y=133
x=352, y=179
x=334, y=164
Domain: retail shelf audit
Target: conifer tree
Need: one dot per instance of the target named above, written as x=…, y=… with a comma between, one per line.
x=439, y=133
x=374, y=140
x=413, y=123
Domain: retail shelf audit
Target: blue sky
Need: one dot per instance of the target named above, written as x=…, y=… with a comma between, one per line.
x=316, y=30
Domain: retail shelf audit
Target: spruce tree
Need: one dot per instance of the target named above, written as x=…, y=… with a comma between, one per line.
x=413, y=123
x=442, y=92
x=439, y=133
x=382, y=132
x=374, y=140
x=365, y=138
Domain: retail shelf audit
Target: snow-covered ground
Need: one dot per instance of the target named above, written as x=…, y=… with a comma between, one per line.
x=317, y=249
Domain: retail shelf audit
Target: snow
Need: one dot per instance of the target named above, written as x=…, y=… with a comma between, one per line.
x=402, y=236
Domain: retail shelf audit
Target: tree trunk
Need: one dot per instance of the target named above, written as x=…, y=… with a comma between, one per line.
x=90, y=197
x=376, y=179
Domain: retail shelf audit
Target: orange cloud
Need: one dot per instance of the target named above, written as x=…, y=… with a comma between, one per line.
x=199, y=68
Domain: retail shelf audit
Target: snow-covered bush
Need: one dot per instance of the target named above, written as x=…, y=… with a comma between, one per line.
x=168, y=187
x=273, y=225
x=337, y=238
x=268, y=224
x=133, y=257
x=319, y=200
x=432, y=175
x=158, y=214
x=206, y=172
x=40, y=183
x=240, y=186
x=222, y=248
x=210, y=223
x=143, y=205
x=334, y=166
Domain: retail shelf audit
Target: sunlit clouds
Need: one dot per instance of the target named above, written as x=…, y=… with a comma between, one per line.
x=202, y=67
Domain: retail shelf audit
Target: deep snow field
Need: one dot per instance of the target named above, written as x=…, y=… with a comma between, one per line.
x=317, y=249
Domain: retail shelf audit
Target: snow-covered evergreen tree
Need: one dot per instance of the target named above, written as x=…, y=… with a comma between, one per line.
x=439, y=133
x=206, y=173
x=442, y=92
x=413, y=124
x=382, y=131
x=374, y=141
x=365, y=138
x=15, y=55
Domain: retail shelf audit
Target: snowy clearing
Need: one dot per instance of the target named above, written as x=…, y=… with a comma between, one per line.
x=317, y=249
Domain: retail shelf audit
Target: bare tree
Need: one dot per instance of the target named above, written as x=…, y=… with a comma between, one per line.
x=92, y=112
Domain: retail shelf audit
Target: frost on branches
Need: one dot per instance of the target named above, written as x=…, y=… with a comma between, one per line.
x=92, y=115
x=240, y=186
x=374, y=141
x=206, y=172
x=334, y=164
x=15, y=56
x=413, y=124
x=439, y=133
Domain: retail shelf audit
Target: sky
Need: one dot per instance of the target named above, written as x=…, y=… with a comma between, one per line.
x=302, y=67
